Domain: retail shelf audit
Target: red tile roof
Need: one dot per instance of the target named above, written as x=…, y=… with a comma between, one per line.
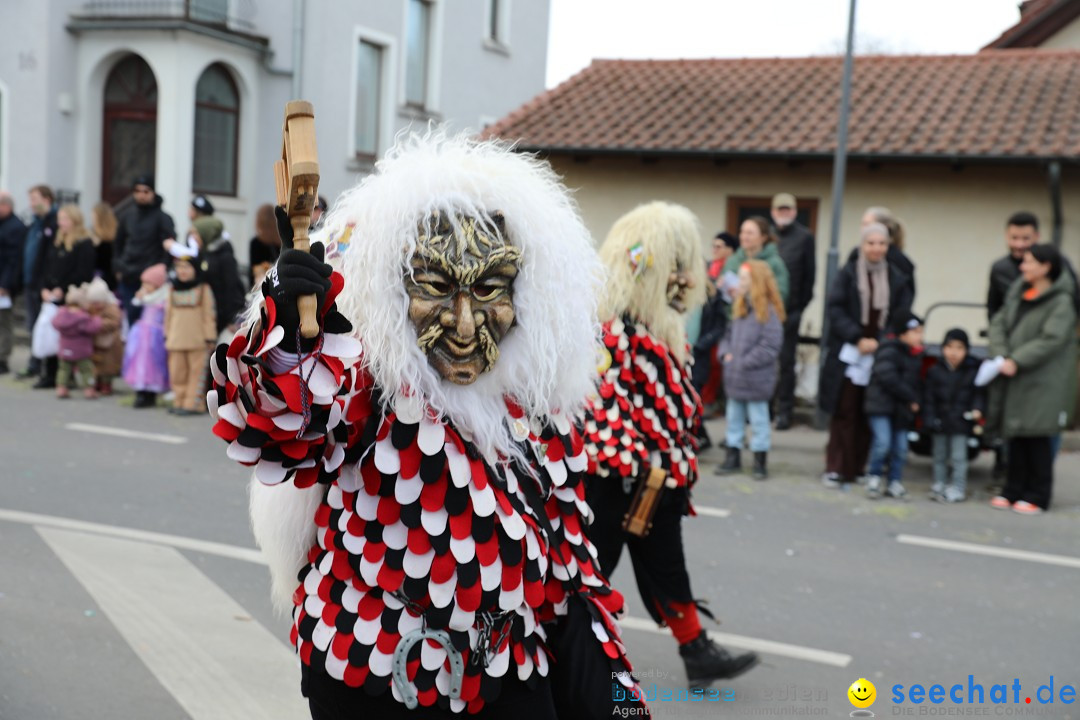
x=994, y=104
x=1039, y=20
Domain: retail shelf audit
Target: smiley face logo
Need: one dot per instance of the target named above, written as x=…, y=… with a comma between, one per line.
x=862, y=693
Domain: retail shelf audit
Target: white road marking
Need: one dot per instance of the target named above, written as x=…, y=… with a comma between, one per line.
x=132, y=434
x=234, y=552
x=200, y=644
x=770, y=647
x=976, y=549
x=711, y=511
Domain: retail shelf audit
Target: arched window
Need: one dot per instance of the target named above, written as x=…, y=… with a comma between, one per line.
x=130, y=123
x=217, y=122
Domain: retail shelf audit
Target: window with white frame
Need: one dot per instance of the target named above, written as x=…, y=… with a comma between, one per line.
x=417, y=52
x=370, y=61
x=498, y=22
x=217, y=121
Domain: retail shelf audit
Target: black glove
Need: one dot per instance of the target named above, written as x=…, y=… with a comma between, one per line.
x=295, y=274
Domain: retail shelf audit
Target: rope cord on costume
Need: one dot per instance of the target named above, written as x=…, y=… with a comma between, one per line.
x=305, y=395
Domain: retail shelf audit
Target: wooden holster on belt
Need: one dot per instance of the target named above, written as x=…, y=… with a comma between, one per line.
x=638, y=520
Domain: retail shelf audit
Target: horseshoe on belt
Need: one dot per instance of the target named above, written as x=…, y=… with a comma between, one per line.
x=401, y=654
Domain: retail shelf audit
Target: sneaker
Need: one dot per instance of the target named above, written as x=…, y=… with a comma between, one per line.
x=896, y=490
x=1025, y=508
x=62, y=393
x=831, y=480
x=953, y=495
x=936, y=489
x=873, y=486
x=1000, y=502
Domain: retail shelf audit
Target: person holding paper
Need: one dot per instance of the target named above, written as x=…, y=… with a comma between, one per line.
x=1035, y=331
x=12, y=232
x=867, y=292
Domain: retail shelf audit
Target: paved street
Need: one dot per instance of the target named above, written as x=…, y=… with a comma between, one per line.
x=130, y=589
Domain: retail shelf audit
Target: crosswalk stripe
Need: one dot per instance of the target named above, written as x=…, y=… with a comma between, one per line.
x=711, y=511
x=199, y=643
x=209, y=547
x=976, y=549
x=770, y=647
x=129, y=434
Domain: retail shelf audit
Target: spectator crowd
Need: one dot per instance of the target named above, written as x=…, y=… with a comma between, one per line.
x=130, y=297
x=124, y=296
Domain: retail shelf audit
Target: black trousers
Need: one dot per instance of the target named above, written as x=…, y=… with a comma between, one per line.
x=785, y=386
x=849, y=434
x=1031, y=471
x=33, y=309
x=659, y=560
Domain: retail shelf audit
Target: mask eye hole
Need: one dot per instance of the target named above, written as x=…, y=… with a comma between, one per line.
x=487, y=290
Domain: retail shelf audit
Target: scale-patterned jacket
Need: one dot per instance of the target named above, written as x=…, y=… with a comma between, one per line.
x=646, y=410
x=413, y=522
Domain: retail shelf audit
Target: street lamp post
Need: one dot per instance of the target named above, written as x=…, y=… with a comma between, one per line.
x=838, y=180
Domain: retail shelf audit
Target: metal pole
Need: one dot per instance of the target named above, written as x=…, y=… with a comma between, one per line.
x=298, y=50
x=838, y=180
x=1054, y=175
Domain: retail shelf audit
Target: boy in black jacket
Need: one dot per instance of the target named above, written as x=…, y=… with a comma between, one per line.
x=892, y=402
x=952, y=405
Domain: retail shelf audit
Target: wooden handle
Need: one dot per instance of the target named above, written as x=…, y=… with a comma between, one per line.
x=296, y=176
x=306, y=305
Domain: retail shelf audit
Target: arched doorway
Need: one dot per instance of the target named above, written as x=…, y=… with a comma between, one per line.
x=130, y=127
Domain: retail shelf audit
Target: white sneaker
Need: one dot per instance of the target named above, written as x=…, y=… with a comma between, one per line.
x=896, y=490
x=873, y=486
x=953, y=495
x=831, y=480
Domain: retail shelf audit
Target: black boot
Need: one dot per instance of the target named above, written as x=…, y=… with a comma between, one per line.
x=732, y=462
x=49, y=368
x=706, y=661
x=783, y=420
x=144, y=399
x=760, y=473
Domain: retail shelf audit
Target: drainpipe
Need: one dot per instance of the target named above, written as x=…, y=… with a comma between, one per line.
x=298, y=49
x=1053, y=173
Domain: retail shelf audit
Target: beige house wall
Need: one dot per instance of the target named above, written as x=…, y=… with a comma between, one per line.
x=954, y=219
x=1067, y=38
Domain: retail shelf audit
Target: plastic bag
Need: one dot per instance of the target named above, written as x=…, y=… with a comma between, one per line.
x=45, y=341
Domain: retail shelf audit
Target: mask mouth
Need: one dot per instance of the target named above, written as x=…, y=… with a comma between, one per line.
x=677, y=297
x=459, y=349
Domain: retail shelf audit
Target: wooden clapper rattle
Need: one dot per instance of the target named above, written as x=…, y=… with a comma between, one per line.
x=296, y=176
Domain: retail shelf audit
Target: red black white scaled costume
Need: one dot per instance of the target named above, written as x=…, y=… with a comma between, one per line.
x=645, y=416
x=408, y=513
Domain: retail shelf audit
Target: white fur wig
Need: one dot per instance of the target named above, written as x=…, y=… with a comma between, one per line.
x=669, y=236
x=546, y=361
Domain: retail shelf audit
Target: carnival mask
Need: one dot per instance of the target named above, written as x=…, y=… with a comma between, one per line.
x=679, y=281
x=461, y=293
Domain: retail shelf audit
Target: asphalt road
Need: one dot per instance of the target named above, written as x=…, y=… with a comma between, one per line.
x=129, y=589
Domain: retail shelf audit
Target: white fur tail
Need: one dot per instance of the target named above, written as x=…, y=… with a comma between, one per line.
x=283, y=519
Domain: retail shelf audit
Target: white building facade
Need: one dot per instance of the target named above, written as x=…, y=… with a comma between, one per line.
x=96, y=92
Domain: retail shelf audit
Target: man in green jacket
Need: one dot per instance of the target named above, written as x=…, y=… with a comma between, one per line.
x=1032, y=401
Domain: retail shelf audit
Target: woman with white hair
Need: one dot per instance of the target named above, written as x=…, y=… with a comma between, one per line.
x=415, y=462
x=866, y=294
x=640, y=429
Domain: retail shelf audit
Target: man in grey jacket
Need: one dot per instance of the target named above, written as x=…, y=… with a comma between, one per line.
x=799, y=253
